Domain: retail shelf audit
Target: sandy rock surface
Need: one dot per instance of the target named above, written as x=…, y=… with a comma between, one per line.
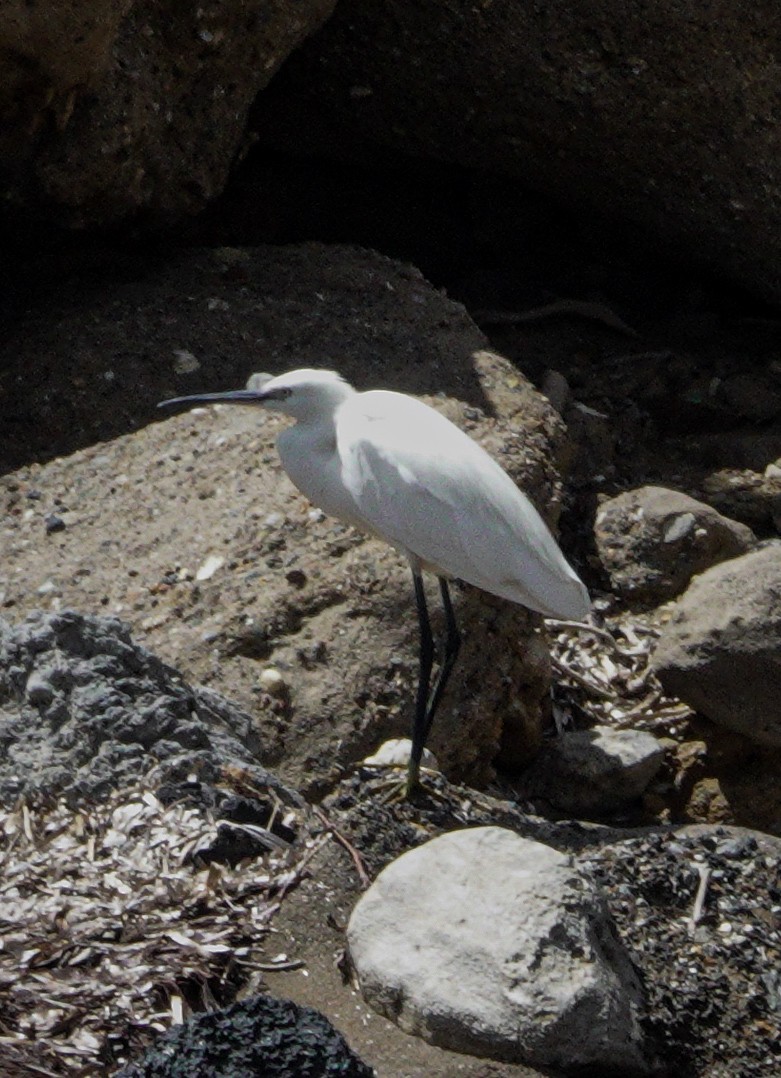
x=190, y=530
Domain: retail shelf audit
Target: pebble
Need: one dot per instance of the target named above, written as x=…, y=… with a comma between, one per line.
x=395, y=753
x=272, y=682
x=207, y=570
x=681, y=526
x=39, y=689
x=53, y=523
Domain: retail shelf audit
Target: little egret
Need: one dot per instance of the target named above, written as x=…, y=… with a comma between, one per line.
x=397, y=469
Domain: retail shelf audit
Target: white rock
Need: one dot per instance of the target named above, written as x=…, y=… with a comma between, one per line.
x=395, y=753
x=484, y=942
x=207, y=570
x=273, y=682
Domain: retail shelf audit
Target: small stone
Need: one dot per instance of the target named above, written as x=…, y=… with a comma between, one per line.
x=590, y=772
x=207, y=570
x=680, y=526
x=39, y=689
x=272, y=682
x=53, y=523
x=185, y=362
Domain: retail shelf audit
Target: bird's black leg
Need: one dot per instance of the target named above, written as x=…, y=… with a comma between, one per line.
x=421, y=721
x=452, y=647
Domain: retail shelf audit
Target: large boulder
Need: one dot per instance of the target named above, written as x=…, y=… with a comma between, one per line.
x=721, y=650
x=119, y=107
x=489, y=943
x=190, y=530
x=654, y=117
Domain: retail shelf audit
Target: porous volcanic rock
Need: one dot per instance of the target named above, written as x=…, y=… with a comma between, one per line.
x=122, y=107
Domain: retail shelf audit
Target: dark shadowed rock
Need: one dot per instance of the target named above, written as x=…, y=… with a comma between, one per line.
x=116, y=107
x=659, y=118
x=749, y=496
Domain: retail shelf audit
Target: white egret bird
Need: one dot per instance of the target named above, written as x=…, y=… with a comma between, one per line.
x=397, y=469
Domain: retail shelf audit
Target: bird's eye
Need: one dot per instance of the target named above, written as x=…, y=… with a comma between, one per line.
x=283, y=394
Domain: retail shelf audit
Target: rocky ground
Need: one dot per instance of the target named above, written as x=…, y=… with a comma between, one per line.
x=186, y=530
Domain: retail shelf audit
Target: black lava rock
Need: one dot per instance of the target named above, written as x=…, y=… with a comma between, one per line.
x=261, y=1037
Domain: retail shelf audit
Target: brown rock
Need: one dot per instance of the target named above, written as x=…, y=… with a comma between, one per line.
x=720, y=650
x=116, y=107
x=651, y=541
x=286, y=587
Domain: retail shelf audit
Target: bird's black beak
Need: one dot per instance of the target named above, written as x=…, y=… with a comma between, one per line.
x=231, y=396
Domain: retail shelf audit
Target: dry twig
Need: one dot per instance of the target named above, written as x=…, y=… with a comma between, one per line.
x=358, y=861
x=699, y=899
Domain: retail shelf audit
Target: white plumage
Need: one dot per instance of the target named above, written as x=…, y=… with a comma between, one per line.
x=395, y=468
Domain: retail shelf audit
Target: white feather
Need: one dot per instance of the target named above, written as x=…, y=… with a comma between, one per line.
x=394, y=467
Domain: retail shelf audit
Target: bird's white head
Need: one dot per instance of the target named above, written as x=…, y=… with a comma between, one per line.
x=303, y=394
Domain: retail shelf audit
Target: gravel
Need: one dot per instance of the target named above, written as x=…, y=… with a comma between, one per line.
x=713, y=984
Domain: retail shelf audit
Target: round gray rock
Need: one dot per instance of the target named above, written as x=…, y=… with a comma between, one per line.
x=593, y=771
x=721, y=651
x=484, y=942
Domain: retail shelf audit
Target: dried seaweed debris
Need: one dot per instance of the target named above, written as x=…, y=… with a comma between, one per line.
x=111, y=928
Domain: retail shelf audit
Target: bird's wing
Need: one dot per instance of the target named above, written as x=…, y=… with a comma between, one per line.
x=432, y=492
